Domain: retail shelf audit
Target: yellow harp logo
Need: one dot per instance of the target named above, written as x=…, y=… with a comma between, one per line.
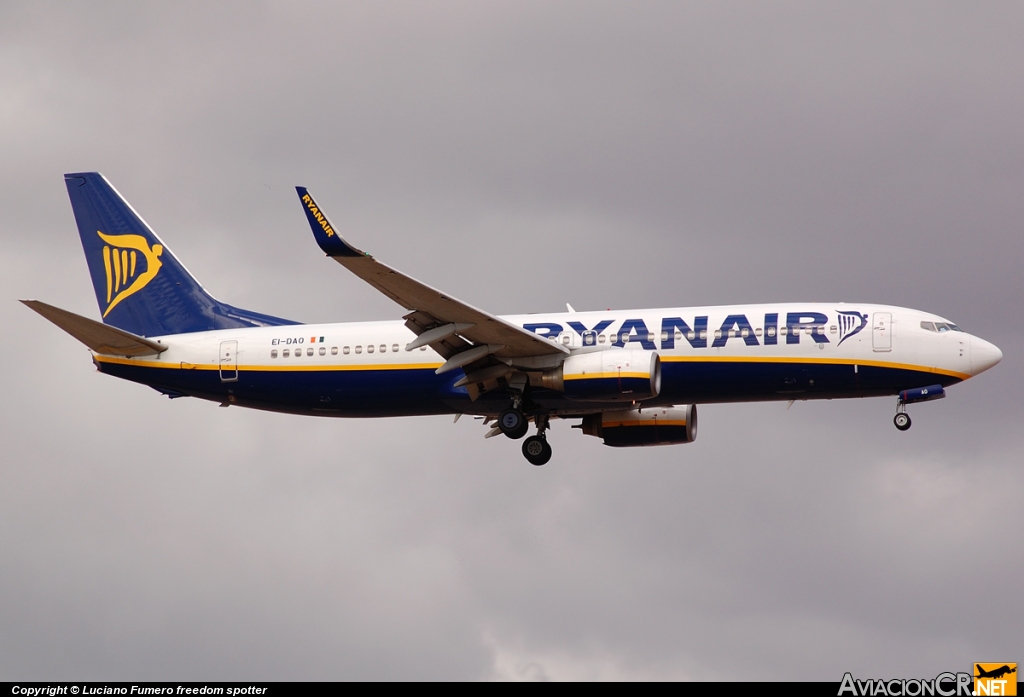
x=125, y=276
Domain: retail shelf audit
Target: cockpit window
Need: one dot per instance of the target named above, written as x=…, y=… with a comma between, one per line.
x=940, y=327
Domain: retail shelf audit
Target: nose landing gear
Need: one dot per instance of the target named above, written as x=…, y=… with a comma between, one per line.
x=902, y=418
x=912, y=396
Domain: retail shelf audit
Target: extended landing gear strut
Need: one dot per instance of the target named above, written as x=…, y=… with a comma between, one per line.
x=535, y=448
x=902, y=418
x=512, y=422
x=912, y=396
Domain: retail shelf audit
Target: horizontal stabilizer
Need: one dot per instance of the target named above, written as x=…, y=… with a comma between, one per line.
x=101, y=338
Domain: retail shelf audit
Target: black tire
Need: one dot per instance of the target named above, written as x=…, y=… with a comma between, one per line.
x=902, y=421
x=536, y=450
x=513, y=423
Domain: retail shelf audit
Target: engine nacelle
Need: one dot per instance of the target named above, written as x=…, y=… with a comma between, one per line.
x=648, y=426
x=922, y=394
x=614, y=375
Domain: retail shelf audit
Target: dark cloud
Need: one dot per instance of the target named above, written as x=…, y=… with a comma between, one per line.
x=520, y=156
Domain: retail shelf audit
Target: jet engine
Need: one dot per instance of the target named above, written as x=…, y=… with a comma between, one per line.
x=648, y=426
x=922, y=394
x=615, y=375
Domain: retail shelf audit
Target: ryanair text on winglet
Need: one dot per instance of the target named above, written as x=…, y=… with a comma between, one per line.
x=944, y=685
x=318, y=215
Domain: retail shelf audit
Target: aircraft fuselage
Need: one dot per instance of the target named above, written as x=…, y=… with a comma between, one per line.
x=708, y=355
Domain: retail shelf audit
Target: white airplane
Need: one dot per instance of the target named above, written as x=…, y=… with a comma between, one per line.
x=632, y=378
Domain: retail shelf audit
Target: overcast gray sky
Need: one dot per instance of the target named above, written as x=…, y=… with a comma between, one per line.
x=519, y=155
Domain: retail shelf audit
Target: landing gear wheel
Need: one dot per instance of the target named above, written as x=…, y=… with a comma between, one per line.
x=513, y=423
x=536, y=450
x=902, y=421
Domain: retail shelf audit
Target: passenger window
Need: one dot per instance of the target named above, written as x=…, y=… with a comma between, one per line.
x=833, y=329
x=285, y=353
x=323, y=351
x=771, y=331
x=309, y=351
x=345, y=350
x=664, y=336
x=273, y=354
x=718, y=333
x=565, y=340
x=783, y=331
x=359, y=349
x=745, y=333
x=600, y=339
x=383, y=348
x=369, y=348
x=733, y=332
x=394, y=348
x=334, y=350
x=703, y=333
x=690, y=336
x=757, y=332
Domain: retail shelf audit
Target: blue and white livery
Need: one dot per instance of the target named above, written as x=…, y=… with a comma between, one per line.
x=630, y=377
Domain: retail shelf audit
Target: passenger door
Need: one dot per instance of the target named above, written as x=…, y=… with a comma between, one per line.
x=881, y=331
x=228, y=361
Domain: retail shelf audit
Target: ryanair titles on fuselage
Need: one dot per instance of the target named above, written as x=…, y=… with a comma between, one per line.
x=698, y=334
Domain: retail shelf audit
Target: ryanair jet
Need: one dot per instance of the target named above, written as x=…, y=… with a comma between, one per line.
x=631, y=378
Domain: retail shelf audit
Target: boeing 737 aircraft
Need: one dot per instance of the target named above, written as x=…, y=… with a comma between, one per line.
x=629, y=377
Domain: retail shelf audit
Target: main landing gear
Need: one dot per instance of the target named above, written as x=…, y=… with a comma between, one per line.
x=514, y=424
x=535, y=448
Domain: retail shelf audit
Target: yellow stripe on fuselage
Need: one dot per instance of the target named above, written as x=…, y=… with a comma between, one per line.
x=816, y=361
x=600, y=376
x=592, y=376
x=659, y=422
x=176, y=365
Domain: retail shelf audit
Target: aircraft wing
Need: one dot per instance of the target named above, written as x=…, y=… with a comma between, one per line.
x=459, y=332
x=101, y=338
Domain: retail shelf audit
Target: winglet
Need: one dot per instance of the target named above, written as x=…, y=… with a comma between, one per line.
x=326, y=236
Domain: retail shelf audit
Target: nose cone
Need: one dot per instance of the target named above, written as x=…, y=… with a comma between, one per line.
x=983, y=355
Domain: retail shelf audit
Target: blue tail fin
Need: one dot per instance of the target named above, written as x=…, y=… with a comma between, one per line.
x=140, y=285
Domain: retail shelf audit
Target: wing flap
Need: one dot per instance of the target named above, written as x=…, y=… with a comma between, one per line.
x=99, y=337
